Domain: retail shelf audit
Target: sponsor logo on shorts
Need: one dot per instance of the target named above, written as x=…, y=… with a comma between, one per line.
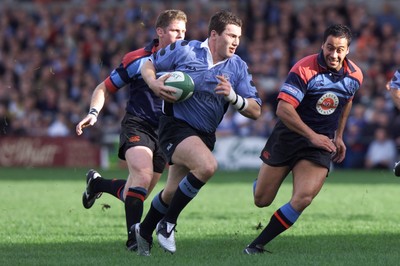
x=266, y=155
x=327, y=104
x=169, y=146
x=134, y=139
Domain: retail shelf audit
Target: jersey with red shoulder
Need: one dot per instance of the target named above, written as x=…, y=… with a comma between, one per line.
x=318, y=93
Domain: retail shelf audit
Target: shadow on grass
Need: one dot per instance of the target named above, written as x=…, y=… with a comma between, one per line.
x=217, y=250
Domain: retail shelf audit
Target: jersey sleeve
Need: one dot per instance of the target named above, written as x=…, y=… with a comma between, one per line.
x=293, y=89
x=127, y=71
x=395, y=82
x=166, y=58
x=245, y=86
x=295, y=86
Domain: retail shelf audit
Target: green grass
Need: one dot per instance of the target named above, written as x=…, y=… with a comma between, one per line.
x=353, y=221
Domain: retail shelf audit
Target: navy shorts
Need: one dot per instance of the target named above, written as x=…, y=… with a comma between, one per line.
x=173, y=131
x=286, y=148
x=137, y=132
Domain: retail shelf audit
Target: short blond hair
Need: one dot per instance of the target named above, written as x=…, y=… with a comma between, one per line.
x=166, y=17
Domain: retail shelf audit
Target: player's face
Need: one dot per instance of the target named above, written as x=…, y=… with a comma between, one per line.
x=228, y=41
x=335, y=50
x=175, y=31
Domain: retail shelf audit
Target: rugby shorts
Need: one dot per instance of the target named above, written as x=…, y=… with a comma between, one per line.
x=173, y=131
x=286, y=148
x=137, y=132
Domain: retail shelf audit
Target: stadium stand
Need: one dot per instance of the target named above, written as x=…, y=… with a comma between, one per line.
x=53, y=55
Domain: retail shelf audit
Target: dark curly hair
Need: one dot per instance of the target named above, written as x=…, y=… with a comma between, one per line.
x=338, y=30
x=222, y=18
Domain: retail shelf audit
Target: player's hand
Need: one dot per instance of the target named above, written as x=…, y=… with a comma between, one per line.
x=162, y=91
x=388, y=86
x=340, y=153
x=89, y=120
x=224, y=87
x=323, y=142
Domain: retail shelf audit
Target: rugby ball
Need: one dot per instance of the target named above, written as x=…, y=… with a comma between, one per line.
x=183, y=84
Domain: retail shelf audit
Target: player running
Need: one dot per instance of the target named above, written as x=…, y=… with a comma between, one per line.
x=139, y=128
x=187, y=131
x=394, y=87
x=314, y=103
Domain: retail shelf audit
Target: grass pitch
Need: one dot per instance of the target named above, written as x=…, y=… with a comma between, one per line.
x=353, y=221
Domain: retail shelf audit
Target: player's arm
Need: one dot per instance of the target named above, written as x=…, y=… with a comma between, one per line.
x=340, y=146
x=395, y=94
x=253, y=109
x=246, y=106
x=156, y=85
x=394, y=87
x=97, y=102
x=289, y=116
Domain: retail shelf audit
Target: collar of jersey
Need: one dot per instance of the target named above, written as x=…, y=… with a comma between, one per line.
x=347, y=66
x=205, y=46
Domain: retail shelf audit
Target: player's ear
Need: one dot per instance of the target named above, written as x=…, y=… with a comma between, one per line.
x=159, y=31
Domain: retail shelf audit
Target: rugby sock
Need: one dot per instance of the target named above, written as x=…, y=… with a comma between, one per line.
x=187, y=190
x=281, y=220
x=134, y=205
x=114, y=187
x=157, y=211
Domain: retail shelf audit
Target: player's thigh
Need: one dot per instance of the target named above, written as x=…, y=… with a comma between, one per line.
x=140, y=164
x=308, y=179
x=196, y=156
x=268, y=183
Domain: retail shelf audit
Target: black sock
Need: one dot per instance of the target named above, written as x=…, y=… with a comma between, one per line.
x=187, y=190
x=134, y=205
x=114, y=187
x=278, y=224
x=157, y=211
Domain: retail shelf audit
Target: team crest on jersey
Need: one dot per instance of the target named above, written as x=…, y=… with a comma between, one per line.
x=327, y=104
x=226, y=76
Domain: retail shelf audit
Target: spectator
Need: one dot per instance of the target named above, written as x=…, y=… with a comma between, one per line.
x=353, y=138
x=381, y=152
x=44, y=45
x=59, y=127
x=5, y=120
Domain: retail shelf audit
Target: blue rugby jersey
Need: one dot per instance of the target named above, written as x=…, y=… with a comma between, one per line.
x=395, y=82
x=319, y=94
x=142, y=101
x=205, y=109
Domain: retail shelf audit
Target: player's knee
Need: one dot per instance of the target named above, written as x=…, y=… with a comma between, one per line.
x=261, y=202
x=141, y=180
x=301, y=203
x=209, y=168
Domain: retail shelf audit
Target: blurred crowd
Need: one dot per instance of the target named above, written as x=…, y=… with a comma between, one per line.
x=52, y=56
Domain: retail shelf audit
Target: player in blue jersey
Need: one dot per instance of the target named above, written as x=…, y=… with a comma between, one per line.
x=138, y=145
x=394, y=87
x=313, y=105
x=187, y=131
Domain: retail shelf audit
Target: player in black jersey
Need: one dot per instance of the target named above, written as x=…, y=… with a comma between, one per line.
x=139, y=128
